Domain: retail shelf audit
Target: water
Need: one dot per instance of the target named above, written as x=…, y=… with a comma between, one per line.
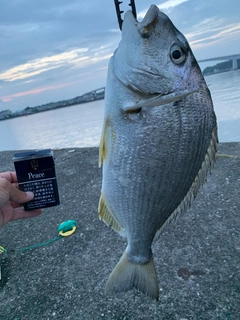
x=225, y=90
x=81, y=125
x=76, y=126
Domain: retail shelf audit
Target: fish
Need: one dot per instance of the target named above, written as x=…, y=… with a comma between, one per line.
x=158, y=142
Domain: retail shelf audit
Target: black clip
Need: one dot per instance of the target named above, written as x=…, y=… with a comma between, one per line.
x=119, y=12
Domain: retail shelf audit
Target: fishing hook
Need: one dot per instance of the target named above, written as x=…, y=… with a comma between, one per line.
x=119, y=11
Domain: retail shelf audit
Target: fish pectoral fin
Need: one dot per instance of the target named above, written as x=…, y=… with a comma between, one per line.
x=222, y=155
x=128, y=275
x=158, y=100
x=102, y=146
x=106, y=215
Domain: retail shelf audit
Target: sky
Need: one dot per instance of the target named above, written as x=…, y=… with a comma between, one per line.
x=52, y=50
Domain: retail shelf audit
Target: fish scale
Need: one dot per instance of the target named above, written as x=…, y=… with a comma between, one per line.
x=158, y=141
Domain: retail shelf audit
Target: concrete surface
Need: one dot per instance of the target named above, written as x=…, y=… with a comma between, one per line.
x=197, y=257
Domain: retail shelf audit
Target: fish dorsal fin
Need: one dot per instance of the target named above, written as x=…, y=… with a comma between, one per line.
x=102, y=146
x=197, y=183
x=106, y=215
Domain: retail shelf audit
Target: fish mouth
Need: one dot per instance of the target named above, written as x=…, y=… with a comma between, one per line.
x=149, y=21
x=147, y=24
x=151, y=14
x=129, y=20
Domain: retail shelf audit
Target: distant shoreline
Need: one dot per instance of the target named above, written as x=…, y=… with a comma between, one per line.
x=212, y=73
x=49, y=109
x=100, y=96
x=221, y=67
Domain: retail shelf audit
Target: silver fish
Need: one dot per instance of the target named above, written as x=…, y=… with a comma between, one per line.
x=158, y=141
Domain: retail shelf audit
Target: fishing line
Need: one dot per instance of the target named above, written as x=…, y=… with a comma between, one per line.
x=65, y=229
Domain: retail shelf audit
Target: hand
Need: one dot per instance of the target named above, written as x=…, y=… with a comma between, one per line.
x=11, y=199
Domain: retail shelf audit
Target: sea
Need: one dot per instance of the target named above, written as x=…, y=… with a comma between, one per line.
x=80, y=125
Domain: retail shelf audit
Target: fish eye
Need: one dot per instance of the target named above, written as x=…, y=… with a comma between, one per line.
x=177, y=54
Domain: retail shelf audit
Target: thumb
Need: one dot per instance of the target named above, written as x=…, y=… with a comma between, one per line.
x=19, y=196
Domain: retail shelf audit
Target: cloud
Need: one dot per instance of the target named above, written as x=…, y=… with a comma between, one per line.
x=38, y=66
x=75, y=58
x=169, y=4
x=56, y=49
x=34, y=91
x=164, y=6
x=208, y=25
x=38, y=90
x=212, y=31
x=27, y=81
x=6, y=99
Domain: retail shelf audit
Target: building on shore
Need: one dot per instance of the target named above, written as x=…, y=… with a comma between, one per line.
x=5, y=114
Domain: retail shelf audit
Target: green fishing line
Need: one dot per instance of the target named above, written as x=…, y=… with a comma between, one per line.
x=65, y=229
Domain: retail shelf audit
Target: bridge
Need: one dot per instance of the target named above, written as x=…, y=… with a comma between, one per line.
x=94, y=94
x=233, y=57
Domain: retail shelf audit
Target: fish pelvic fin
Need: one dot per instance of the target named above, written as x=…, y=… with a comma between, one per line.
x=106, y=215
x=128, y=275
x=102, y=146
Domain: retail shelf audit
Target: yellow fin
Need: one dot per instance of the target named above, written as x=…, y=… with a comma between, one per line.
x=227, y=156
x=102, y=147
x=106, y=215
x=201, y=177
x=128, y=275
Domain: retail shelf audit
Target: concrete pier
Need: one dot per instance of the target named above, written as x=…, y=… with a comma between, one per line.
x=197, y=257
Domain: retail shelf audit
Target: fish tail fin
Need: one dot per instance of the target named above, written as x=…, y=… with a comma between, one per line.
x=128, y=275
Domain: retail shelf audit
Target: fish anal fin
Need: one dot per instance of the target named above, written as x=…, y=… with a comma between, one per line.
x=128, y=275
x=106, y=215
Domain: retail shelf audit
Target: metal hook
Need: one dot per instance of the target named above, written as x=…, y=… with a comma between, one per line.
x=119, y=12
